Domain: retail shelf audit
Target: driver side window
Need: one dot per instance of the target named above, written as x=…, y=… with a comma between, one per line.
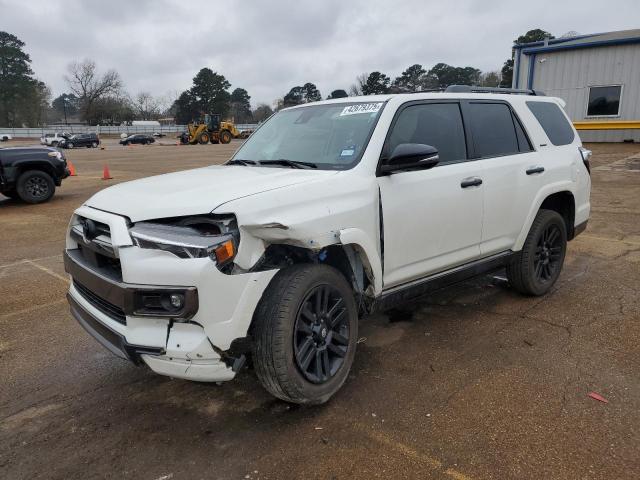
x=436, y=124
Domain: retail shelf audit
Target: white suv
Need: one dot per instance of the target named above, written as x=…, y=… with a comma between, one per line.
x=53, y=139
x=327, y=211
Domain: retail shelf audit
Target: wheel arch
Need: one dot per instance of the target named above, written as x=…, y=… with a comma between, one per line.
x=347, y=259
x=565, y=204
x=42, y=166
x=559, y=198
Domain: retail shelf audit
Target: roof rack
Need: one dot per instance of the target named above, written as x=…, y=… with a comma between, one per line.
x=478, y=89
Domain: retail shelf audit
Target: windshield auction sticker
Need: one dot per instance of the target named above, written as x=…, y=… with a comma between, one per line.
x=362, y=108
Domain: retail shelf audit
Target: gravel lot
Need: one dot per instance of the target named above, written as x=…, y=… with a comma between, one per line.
x=475, y=382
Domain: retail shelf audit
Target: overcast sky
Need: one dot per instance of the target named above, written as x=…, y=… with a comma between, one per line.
x=267, y=47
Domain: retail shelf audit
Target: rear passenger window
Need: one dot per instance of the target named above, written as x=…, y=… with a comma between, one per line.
x=553, y=122
x=494, y=133
x=436, y=124
x=523, y=142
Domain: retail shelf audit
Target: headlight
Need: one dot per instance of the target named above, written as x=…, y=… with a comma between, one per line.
x=191, y=237
x=57, y=155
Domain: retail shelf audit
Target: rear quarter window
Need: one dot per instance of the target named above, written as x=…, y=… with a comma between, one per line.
x=553, y=122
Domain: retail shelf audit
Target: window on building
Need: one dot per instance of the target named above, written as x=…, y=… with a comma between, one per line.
x=435, y=124
x=494, y=133
x=553, y=122
x=604, y=101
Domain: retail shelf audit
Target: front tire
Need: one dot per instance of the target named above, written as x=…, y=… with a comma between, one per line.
x=305, y=334
x=536, y=268
x=204, y=138
x=35, y=186
x=70, y=145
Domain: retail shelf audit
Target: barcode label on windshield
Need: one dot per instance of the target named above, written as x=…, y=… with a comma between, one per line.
x=361, y=108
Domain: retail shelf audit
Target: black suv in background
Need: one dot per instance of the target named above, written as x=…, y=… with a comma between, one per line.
x=31, y=173
x=89, y=140
x=137, y=139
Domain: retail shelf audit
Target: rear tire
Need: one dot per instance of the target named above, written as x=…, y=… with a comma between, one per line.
x=35, y=186
x=305, y=334
x=225, y=136
x=94, y=145
x=536, y=268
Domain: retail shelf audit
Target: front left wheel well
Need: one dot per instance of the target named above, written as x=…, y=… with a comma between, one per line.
x=344, y=258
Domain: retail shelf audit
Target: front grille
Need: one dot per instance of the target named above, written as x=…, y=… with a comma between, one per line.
x=112, y=311
x=97, y=248
x=103, y=264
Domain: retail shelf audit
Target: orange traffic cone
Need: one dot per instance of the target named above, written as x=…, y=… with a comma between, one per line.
x=106, y=175
x=72, y=169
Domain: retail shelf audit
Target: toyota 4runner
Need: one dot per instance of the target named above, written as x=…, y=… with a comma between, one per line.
x=327, y=211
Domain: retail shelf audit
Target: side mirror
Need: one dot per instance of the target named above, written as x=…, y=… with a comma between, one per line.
x=410, y=156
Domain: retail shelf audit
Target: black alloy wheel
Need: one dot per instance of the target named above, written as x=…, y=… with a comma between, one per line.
x=37, y=187
x=536, y=268
x=304, y=333
x=548, y=253
x=321, y=334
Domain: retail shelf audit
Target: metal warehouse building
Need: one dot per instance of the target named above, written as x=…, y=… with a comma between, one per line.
x=597, y=75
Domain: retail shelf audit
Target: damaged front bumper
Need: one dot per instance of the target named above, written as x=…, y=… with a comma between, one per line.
x=191, y=345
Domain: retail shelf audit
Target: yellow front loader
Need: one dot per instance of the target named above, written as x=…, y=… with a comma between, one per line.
x=210, y=129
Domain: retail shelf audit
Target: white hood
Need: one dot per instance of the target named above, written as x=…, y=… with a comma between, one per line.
x=194, y=192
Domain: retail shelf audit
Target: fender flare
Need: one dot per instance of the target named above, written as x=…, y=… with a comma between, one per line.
x=546, y=191
x=368, y=251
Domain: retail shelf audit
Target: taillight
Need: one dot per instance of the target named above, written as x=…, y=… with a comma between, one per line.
x=586, y=156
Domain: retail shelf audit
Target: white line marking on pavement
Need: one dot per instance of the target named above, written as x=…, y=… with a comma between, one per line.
x=32, y=309
x=22, y=262
x=47, y=270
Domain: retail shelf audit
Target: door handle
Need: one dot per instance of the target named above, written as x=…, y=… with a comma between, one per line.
x=470, y=182
x=534, y=170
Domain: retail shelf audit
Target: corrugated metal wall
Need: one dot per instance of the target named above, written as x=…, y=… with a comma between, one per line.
x=568, y=74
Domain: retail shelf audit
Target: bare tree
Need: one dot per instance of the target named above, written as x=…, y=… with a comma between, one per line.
x=356, y=89
x=146, y=106
x=89, y=86
x=168, y=102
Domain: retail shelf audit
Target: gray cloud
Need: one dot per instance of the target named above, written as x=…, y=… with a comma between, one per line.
x=269, y=47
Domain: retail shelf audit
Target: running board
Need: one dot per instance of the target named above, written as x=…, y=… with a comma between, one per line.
x=417, y=288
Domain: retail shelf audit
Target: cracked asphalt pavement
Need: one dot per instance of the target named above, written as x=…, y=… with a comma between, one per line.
x=474, y=382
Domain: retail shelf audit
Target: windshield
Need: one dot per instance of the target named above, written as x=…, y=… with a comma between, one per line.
x=330, y=137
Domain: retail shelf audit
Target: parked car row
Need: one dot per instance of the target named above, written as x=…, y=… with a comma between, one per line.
x=66, y=140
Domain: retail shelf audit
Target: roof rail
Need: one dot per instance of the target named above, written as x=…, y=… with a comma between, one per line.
x=478, y=89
